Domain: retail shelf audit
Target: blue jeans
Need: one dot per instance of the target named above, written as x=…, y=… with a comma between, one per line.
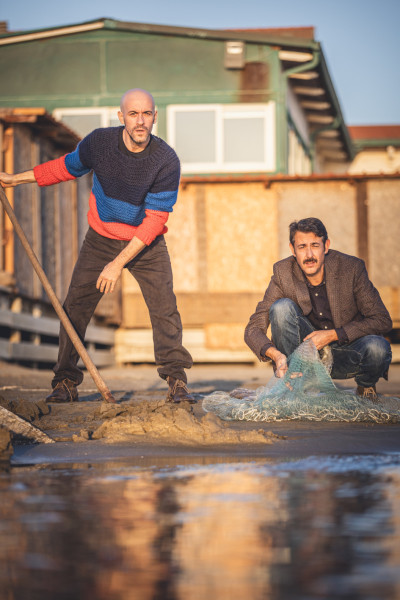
x=366, y=359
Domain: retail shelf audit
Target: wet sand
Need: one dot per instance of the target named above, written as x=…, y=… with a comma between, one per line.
x=143, y=429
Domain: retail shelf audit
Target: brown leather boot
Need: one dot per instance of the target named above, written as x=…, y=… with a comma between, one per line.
x=178, y=392
x=64, y=391
x=367, y=393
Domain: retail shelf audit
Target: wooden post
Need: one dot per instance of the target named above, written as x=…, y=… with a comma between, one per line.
x=8, y=229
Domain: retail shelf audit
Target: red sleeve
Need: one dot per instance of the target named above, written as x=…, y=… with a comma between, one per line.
x=53, y=171
x=152, y=225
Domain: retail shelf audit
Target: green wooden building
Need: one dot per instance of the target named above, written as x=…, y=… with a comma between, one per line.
x=229, y=101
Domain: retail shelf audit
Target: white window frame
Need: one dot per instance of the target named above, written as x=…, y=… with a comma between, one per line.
x=106, y=113
x=224, y=112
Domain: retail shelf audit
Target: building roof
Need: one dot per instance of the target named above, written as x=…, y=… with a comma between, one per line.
x=289, y=32
x=375, y=136
x=43, y=124
x=262, y=35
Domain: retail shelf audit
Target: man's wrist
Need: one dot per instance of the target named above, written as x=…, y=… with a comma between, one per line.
x=263, y=351
x=119, y=263
x=24, y=177
x=273, y=353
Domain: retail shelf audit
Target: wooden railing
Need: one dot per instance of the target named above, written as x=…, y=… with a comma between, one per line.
x=33, y=338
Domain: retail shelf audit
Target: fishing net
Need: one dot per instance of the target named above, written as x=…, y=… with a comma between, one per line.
x=313, y=396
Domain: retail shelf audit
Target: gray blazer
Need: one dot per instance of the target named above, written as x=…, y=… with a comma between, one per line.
x=355, y=303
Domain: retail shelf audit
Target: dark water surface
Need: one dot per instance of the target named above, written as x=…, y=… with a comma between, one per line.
x=326, y=527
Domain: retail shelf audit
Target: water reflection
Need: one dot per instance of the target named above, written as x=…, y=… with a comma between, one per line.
x=309, y=529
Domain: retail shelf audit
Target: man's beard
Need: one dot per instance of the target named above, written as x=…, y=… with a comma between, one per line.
x=135, y=139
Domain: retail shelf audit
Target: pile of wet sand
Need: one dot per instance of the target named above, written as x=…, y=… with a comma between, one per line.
x=148, y=419
x=27, y=409
x=161, y=420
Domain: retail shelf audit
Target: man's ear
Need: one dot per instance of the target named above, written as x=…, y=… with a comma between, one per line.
x=121, y=118
x=155, y=116
x=292, y=249
x=327, y=244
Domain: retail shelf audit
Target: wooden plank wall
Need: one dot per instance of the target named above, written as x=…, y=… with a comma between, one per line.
x=27, y=335
x=67, y=230
x=6, y=230
x=54, y=220
x=23, y=208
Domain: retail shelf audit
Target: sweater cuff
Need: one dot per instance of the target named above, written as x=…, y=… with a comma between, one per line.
x=51, y=172
x=263, y=351
x=152, y=225
x=342, y=336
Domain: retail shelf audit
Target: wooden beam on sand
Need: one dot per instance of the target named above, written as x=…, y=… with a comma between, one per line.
x=19, y=426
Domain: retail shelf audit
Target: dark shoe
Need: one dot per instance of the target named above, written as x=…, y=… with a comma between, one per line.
x=63, y=391
x=367, y=393
x=178, y=392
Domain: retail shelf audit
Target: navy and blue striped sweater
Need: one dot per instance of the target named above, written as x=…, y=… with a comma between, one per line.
x=131, y=195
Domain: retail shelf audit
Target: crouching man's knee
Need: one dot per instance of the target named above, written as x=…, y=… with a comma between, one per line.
x=281, y=310
x=378, y=351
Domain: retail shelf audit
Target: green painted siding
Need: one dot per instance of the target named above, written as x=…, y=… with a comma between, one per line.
x=281, y=122
x=95, y=68
x=44, y=73
x=171, y=67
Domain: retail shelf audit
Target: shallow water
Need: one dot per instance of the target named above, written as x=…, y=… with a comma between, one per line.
x=323, y=527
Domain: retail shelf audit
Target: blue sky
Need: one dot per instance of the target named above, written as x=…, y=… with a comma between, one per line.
x=360, y=38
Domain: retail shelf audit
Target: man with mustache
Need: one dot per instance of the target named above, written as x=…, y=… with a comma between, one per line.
x=325, y=296
x=135, y=186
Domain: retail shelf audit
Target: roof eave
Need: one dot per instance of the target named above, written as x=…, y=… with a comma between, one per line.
x=335, y=101
x=112, y=24
x=27, y=36
x=376, y=144
x=39, y=119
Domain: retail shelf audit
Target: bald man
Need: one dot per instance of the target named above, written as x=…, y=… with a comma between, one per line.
x=135, y=186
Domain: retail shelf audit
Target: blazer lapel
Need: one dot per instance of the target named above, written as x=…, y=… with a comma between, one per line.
x=301, y=290
x=332, y=290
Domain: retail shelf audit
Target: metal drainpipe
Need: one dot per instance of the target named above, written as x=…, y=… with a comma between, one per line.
x=299, y=69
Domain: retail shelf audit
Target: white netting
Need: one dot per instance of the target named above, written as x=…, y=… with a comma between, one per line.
x=311, y=397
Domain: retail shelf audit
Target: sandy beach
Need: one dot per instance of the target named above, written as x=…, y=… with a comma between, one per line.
x=141, y=427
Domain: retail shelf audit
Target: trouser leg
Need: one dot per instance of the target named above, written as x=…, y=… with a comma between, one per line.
x=81, y=301
x=289, y=326
x=152, y=270
x=366, y=359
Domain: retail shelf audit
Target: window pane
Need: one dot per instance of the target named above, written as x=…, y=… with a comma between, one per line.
x=195, y=136
x=82, y=124
x=244, y=140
